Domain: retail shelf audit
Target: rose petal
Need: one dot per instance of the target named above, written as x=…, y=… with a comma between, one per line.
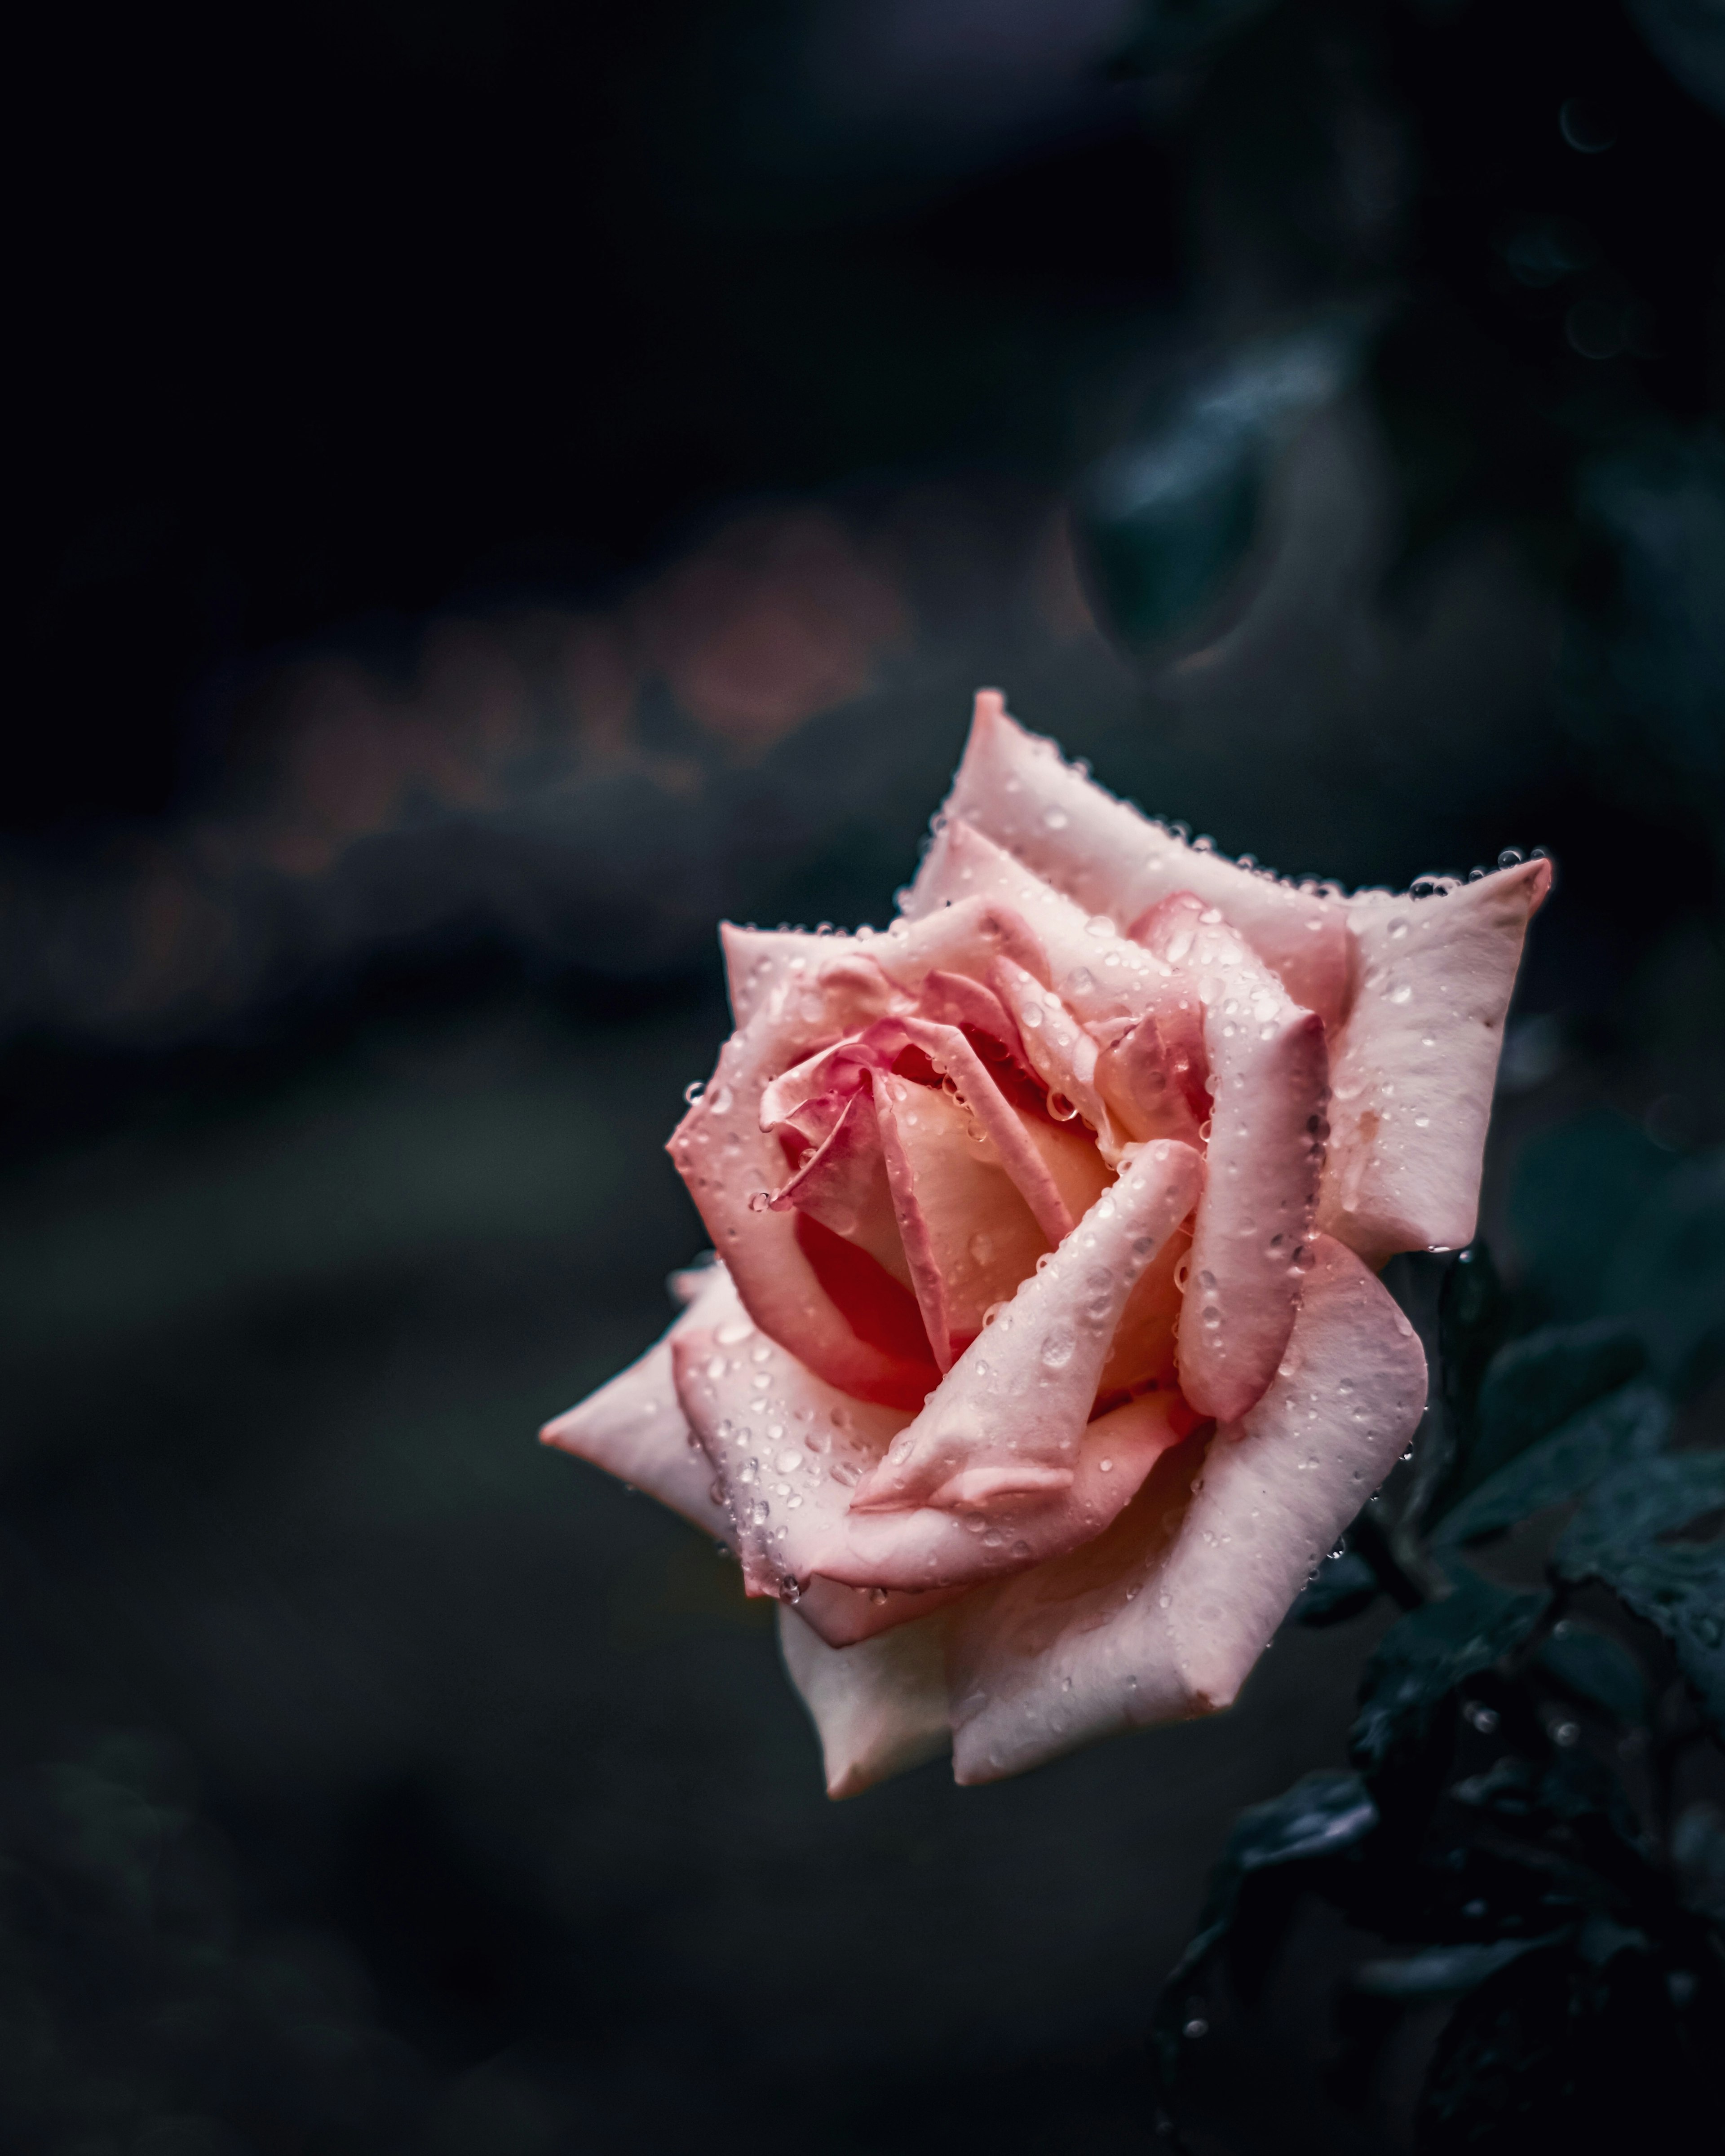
x=752, y=1406
x=955, y=999
x=1164, y=1617
x=1269, y=1079
x=831, y=1074
x=958, y=935
x=1102, y=854
x=979, y=1530
x=635, y=1429
x=1413, y=1071
x=1057, y=1048
x=787, y=1451
x=1014, y=1404
x=844, y=1615
x=1080, y=1173
x=730, y=1164
x=878, y=1308
x=757, y=961
x=844, y=1185
x=1098, y=973
x=1030, y=1165
x=1144, y=1352
x=1250, y=1238
x=879, y=1708
x=1154, y=1076
x=966, y=1232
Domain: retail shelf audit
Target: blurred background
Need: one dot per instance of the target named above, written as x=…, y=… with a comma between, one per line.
x=497, y=486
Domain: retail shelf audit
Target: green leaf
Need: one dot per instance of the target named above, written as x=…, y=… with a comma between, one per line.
x=1668, y=1275
x=1573, y=1189
x=1610, y=1224
x=1679, y=1586
x=1423, y=1656
x=1569, y=2046
x=1165, y=521
x=1629, y=1424
x=1473, y=1314
x=1596, y=1667
x=1432, y=1971
x=1343, y=1586
x=1473, y=1311
x=1698, y=1853
x=1323, y=1815
x=1535, y=1384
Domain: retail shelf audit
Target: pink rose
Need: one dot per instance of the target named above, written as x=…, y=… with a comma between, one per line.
x=1045, y=1356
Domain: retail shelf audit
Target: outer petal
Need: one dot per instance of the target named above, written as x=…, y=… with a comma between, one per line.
x=816, y=996
x=758, y=960
x=879, y=1708
x=844, y=1615
x=1109, y=859
x=1164, y=1617
x=1413, y=1073
x=788, y=1451
x=1007, y=1418
x=635, y=1429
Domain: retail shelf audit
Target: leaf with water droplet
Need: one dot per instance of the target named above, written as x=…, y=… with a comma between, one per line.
x=1630, y=1533
x=1631, y=1423
x=1417, y=1666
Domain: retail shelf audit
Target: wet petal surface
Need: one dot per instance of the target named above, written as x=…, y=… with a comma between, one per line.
x=788, y=1451
x=1417, y=1063
x=808, y=993
x=1008, y=1417
x=634, y=1427
x=1017, y=790
x=879, y=1708
x=1163, y=1616
x=1268, y=1078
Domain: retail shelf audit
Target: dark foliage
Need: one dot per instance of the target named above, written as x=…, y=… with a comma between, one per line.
x=1514, y=1827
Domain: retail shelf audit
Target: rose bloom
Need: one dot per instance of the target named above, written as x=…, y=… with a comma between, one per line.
x=1043, y=1355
